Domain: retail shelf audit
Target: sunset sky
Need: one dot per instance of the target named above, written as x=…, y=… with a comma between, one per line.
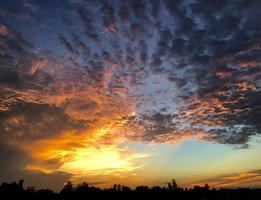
x=130, y=92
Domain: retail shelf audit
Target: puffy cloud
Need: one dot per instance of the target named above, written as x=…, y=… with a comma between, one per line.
x=3, y=30
x=204, y=59
x=167, y=70
x=64, y=42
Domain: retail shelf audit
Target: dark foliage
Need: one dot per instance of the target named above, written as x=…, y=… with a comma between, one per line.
x=16, y=190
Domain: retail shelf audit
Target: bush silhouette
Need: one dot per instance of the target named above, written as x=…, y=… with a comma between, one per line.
x=15, y=190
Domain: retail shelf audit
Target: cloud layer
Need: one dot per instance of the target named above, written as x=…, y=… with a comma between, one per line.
x=152, y=72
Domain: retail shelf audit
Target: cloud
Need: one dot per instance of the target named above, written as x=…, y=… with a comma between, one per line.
x=79, y=44
x=37, y=65
x=243, y=179
x=86, y=16
x=13, y=168
x=76, y=1
x=108, y=17
x=13, y=159
x=64, y=42
x=123, y=13
x=35, y=121
x=15, y=13
x=205, y=56
x=153, y=72
x=29, y=4
x=3, y=30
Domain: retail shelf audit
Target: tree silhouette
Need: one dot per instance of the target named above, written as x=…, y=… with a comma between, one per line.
x=173, y=185
x=15, y=190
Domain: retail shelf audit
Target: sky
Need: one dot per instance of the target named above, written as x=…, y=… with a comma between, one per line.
x=130, y=92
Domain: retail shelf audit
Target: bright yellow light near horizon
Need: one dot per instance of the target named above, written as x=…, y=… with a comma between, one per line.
x=101, y=161
x=85, y=154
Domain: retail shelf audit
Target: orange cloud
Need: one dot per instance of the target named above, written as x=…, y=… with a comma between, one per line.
x=245, y=86
x=37, y=65
x=83, y=154
x=223, y=74
x=250, y=64
x=236, y=180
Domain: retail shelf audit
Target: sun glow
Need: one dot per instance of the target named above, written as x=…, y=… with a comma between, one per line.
x=86, y=154
x=96, y=161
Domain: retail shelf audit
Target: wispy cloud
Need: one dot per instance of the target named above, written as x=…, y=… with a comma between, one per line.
x=244, y=179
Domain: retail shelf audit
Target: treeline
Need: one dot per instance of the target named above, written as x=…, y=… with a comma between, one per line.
x=16, y=190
